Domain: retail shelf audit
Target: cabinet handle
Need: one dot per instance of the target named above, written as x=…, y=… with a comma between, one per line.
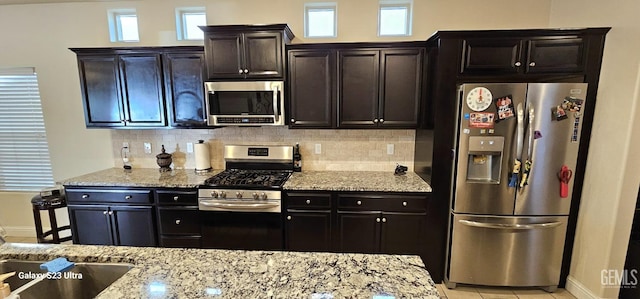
x=110, y=212
x=377, y=219
x=127, y=197
x=532, y=64
x=384, y=219
x=293, y=121
x=178, y=221
x=288, y=217
x=359, y=203
x=375, y=120
x=308, y=201
x=381, y=120
x=175, y=198
x=404, y=203
x=518, y=63
x=104, y=212
x=240, y=71
x=85, y=195
x=246, y=71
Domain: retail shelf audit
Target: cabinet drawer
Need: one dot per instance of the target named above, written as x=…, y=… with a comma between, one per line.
x=183, y=221
x=174, y=197
x=308, y=201
x=391, y=203
x=180, y=242
x=108, y=195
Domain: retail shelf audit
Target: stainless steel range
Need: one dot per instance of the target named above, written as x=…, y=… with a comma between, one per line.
x=241, y=206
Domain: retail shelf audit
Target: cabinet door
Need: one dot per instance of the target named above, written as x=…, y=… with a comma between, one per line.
x=559, y=55
x=400, y=88
x=183, y=73
x=359, y=232
x=100, y=91
x=133, y=226
x=263, y=55
x=90, y=225
x=402, y=233
x=358, y=88
x=311, y=89
x=224, y=56
x=491, y=56
x=142, y=92
x=308, y=231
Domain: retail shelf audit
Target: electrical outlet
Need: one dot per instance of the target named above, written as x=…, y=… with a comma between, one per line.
x=125, y=144
x=189, y=147
x=318, y=149
x=390, y=149
x=147, y=147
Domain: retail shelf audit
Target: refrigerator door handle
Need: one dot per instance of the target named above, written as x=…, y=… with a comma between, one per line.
x=509, y=226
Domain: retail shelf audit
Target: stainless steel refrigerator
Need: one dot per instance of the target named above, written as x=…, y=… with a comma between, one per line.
x=517, y=146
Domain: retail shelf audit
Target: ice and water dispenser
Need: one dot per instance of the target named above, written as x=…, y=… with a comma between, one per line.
x=485, y=159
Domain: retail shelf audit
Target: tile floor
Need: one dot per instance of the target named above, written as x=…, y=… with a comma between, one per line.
x=461, y=292
x=466, y=292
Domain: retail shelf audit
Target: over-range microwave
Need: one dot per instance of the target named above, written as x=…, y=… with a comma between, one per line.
x=245, y=103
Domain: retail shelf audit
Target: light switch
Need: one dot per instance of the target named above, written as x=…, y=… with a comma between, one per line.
x=390, y=149
x=318, y=149
x=189, y=147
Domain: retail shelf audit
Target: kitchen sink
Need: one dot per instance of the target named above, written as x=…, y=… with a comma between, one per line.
x=85, y=280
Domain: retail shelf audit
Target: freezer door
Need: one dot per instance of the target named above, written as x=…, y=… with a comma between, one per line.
x=471, y=193
x=557, y=146
x=507, y=251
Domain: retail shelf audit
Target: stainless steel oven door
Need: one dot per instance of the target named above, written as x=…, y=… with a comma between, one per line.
x=245, y=103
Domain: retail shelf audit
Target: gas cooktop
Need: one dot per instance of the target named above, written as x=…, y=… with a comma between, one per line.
x=243, y=178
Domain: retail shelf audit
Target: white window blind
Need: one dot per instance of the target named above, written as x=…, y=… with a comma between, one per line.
x=25, y=164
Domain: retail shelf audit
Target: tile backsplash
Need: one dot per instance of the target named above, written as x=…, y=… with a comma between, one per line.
x=339, y=149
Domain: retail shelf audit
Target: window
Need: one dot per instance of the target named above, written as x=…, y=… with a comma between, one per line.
x=24, y=153
x=394, y=17
x=123, y=25
x=187, y=21
x=320, y=20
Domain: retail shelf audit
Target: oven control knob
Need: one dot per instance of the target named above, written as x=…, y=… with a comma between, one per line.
x=255, y=195
x=263, y=196
x=214, y=194
x=239, y=194
x=223, y=194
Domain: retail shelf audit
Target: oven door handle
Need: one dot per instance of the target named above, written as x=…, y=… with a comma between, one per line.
x=241, y=206
x=276, y=92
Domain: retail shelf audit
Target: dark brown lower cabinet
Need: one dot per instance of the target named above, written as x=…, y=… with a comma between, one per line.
x=358, y=232
x=402, y=233
x=113, y=225
x=308, y=230
x=178, y=218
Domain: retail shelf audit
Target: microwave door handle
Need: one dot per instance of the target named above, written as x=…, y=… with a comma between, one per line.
x=276, y=91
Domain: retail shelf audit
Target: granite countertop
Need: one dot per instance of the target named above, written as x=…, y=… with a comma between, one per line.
x=382, y=181
x=206, y=273
x=140, y=177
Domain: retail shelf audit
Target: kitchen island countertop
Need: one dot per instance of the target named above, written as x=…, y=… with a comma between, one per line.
x=380, y=181
x=207, y=273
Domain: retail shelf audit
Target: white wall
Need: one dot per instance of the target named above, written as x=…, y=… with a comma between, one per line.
x=39, y=35
x=613, y=167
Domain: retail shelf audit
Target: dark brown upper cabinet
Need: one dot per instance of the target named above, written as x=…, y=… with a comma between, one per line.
x=122, y=89
x=311, y=81
x=380, y=88
x=253, y=52
x=515, y=55
x=184, y=88
x=361, y=85
x=142, y=87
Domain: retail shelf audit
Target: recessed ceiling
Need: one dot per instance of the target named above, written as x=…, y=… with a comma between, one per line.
x=8, y=2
